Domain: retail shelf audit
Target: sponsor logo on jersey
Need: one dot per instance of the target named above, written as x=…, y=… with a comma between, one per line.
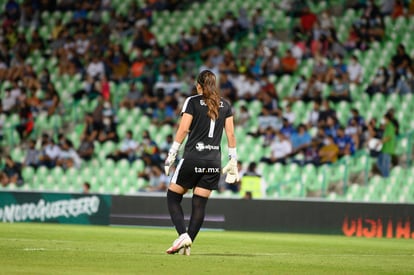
x=203, y=103
x=200, y=146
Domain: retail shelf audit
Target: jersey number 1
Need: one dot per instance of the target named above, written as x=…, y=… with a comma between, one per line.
x=211, y=131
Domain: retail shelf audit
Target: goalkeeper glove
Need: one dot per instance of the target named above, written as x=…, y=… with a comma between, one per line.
x=231, y=167
x=172, y=154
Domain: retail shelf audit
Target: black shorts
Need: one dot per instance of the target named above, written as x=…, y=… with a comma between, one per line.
x=191, y=173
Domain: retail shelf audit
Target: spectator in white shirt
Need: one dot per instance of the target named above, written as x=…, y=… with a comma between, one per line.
x=50, y=153
x=158, y=181
x=247, y=87
x=127, y=149
x=289, y=114
x=313, y=116
x=82, y=44
x=68, y=157
x=355, y=70
x=96, y=68
x=8, y=102
x=281, y=148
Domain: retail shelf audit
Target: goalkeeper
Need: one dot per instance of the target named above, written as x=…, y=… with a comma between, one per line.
x=204, y=116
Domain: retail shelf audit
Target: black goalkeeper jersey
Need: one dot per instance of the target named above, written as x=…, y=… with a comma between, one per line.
x=204, y=138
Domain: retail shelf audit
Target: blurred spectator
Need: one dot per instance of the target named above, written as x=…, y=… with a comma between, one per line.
x=165, y=147
x=331, y=126
x=311, y=153
x=354, y=70
x=340, y=90
x=137, y=67
x=12, y=172
x=271, y=63
x=86, y=148
x=104, y=88
x=68, y=157
x=131, y=98
x=32, y=155
x=325, y=21
x=127, y=150
x=313, y=116
x=298, y=48
x=388, y=147
x=379, y=83
x=248, y=195
x=227, y=88
x=353, y=41
x=51, y=100
x=86, y=187
x=164, y=112
x=95, y=69
x=326, y=111
x=247, y=86
x=242, y=119
x=268, y=120
x=149, y=150
x=344, y=142
x=270, y=42
x=301, y=139
x=107, y=131
x=8, y=102
x=339, y=67
x=268, y=137
x=299, y=91
x=401, y=61
x=90, y=89
x=26, y=125
x=158, y=181
x=281, y=148
x=12, y=10
x=328, y=153
x=320, y=69
x=91, y=129
x=398, y=9
x=287, y=129
x=107, y=128
x=33, y=102
x=289, y=63
x=391, y=114
x=289, y=114
x=49, y=154
x=313, y=90
x=307, y=21
x=258, y=21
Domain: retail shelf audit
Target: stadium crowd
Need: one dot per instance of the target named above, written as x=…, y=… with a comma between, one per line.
x=89, y=45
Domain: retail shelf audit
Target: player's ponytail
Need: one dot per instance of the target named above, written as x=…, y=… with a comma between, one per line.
x=207, y=81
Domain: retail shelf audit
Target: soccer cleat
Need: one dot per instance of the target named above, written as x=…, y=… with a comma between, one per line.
x=183, y=241
x=186, y=250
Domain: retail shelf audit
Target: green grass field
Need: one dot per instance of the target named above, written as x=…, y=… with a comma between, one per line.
x=67, y=249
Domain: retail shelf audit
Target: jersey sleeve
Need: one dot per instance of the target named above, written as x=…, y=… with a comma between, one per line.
x=188, y=106
x=228, y=109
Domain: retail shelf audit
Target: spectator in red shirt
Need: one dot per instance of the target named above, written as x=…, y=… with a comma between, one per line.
x=289, y=63
x=307, y=20
x=137, y=68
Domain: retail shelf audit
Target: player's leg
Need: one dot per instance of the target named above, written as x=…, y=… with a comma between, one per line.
x=174, y=197
x=199, y=202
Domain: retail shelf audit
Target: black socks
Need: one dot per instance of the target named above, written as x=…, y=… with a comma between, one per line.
x=197, y=215
x=176, y=211
x=177, y=215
